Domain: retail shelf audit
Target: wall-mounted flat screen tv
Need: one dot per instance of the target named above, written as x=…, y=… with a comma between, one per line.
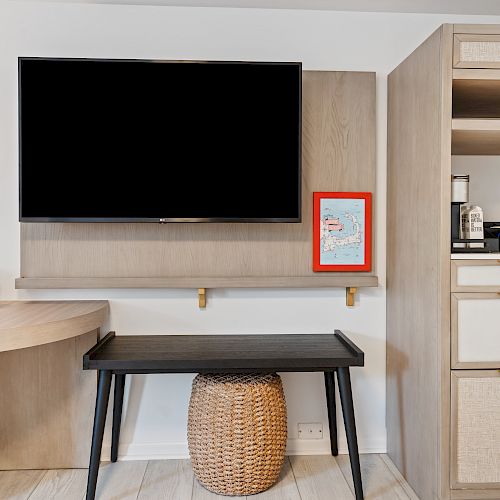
x=159, y=141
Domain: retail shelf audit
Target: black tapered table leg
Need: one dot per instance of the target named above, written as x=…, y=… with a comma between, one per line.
x=117, y=414
x=344, y=380
x=101, y=406
x=332, y=411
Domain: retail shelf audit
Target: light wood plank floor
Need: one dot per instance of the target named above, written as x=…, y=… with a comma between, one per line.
x=302, y=478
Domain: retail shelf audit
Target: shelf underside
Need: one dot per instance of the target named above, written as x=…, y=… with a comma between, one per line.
x=320, y=281
x=475, y=137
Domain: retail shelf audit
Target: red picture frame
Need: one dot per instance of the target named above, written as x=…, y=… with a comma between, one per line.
x=318, y=265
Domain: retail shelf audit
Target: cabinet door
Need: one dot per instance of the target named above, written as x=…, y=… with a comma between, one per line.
x=476, y=51
x=475, y=430
x=475, y=275
x=475, y=330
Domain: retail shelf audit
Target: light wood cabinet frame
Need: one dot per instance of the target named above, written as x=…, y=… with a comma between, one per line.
x=457, y=264
x=477, y=29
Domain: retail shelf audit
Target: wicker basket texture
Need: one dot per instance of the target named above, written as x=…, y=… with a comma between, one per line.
x=237, y=432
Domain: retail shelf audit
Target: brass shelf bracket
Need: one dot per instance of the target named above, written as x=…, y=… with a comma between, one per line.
x=202, y=298
x=350, y=293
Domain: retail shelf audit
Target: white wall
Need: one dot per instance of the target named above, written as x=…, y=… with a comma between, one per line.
x=155, y=416
x=484, y=184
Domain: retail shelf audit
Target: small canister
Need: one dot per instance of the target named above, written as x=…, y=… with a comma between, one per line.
x=460, y=189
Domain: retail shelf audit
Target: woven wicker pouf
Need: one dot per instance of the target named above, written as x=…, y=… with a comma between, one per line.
x=237, y=432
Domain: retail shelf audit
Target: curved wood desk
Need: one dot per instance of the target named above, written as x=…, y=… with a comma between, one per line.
x=46, y=398
x=31, y=323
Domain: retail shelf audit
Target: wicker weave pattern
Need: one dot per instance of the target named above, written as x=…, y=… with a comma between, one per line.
x=237, y=432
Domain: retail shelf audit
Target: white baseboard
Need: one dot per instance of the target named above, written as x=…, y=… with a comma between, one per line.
x=322, y=446
x=172, y=450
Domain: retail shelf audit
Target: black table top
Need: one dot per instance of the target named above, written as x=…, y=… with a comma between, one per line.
x=222, y=353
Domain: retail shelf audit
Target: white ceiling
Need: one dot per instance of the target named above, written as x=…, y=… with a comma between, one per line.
x=483, y=7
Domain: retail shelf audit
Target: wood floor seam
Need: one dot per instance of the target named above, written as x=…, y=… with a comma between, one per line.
x=142, y=481
x=35, y=486
x=294, y=477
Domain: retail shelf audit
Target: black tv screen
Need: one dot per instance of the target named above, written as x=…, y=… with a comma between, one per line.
x=159, y=141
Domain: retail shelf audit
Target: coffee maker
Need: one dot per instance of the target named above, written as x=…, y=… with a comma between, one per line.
x=459, y=200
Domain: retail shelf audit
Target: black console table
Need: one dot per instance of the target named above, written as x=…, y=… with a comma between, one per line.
x=119, y=355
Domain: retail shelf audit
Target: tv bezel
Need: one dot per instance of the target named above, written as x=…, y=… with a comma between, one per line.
x=164, y=220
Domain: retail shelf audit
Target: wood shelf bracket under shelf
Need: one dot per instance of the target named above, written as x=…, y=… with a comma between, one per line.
x=351, y=283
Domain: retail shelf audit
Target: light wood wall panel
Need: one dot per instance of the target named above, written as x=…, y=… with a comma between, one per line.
x=338, y=155
x=418, y=278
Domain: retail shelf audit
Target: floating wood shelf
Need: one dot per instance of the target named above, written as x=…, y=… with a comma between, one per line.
x=475, y=137
x=319, y=281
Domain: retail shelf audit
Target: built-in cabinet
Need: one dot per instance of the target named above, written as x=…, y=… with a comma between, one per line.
x=443, y=356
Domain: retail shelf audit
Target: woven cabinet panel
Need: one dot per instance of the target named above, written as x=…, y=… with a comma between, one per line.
x=478, y=428
x=480, y=51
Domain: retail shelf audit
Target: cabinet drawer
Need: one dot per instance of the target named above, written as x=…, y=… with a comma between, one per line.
x=475, y=330
x=476, y=51
x=475, y=275
x=475, y=429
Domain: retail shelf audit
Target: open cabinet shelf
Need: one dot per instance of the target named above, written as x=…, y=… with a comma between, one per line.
x=475, y=136
x=477, y=97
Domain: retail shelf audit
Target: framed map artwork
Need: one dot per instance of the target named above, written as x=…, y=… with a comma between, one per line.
x=342, y=232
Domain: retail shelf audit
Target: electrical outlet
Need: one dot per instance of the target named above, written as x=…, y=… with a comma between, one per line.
x=311, y=431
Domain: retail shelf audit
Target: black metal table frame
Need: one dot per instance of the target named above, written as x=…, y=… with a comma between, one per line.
x=102, y=400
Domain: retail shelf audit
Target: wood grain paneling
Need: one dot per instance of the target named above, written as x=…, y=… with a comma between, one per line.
x=418, y=278
x=46, y=405
x=338, y=155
